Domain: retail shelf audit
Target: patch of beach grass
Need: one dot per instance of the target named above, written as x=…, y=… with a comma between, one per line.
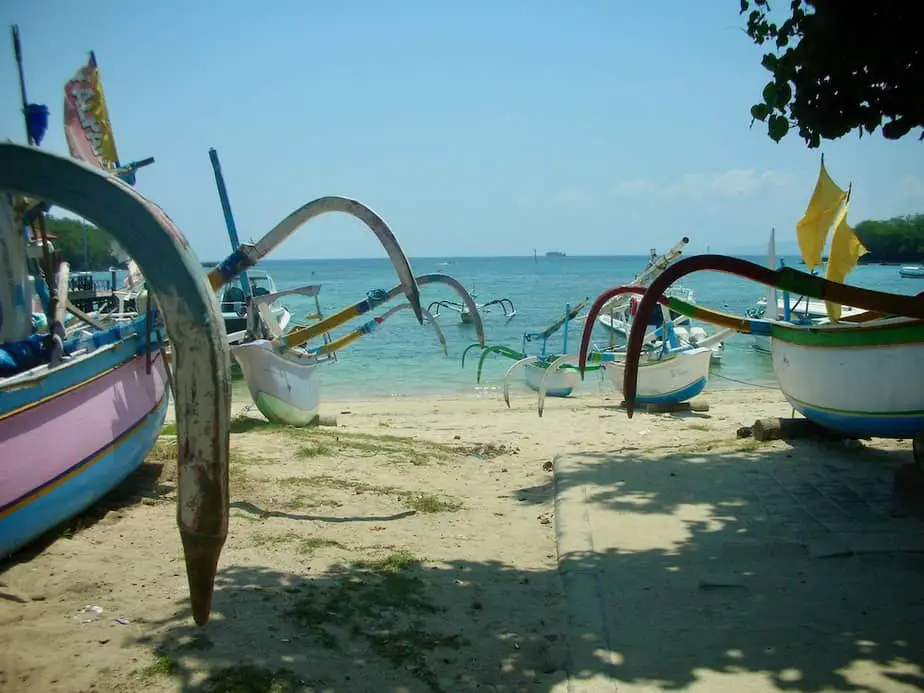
x=413, y=500
x=305, y=545
x=246, y=678
x=319, y=441
x=163, y=665
x=383, y=602
x=749, y=445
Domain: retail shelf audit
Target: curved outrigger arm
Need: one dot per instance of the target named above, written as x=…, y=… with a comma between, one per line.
x=471, y=346
x=194, y=323
x=367, y=328
x=301, y=336
x=444, y=304
x=506, y=305
x=785, y=279
x=597, y=357
x=247, y=255
x=595, y=309
x=497, y=349
x=510, y=371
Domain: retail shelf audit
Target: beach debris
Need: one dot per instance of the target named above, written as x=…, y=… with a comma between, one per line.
x=744, y=432
x=487, y=450
x=90, y=609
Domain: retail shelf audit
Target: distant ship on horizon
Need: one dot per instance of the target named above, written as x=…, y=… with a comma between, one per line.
x=555, y=253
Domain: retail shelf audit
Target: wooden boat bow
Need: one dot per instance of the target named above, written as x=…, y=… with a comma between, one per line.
x=194, y=323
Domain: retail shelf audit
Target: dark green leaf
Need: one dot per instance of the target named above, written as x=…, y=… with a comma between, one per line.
x=760, y=111
x=744, y=6
x=769, y=94
x=783, y=94
x=896, y=129
x=777, y=127
x=769, y=61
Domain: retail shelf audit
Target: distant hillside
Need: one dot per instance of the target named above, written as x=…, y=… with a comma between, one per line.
x=898, y=240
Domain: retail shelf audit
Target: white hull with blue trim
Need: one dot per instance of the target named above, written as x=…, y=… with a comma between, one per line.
x=863, y=391
x=561, y=383
x=679, y=377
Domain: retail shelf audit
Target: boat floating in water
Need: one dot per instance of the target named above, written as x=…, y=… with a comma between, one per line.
x=911, y=271
x=564, y=381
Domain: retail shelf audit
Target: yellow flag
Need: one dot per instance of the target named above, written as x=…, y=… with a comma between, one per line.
x=846, y=250
x=86, y=119
x=812, y=228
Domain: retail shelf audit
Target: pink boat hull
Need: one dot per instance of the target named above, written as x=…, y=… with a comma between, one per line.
x=60, y=454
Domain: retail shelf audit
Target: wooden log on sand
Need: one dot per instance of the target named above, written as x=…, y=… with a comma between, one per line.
x=775, y=428
x=327, y=420
x=697, y=404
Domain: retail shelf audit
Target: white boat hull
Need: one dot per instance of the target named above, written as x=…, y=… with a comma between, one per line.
x=677, y=378
x=284, y=387
x=863, y=391
x=560, y=384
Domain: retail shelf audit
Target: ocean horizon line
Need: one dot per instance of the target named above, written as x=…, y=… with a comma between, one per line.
x=413, y=258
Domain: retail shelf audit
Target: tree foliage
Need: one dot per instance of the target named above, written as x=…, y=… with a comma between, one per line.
x=900, y=239
x=838, y=66
x=69, y=241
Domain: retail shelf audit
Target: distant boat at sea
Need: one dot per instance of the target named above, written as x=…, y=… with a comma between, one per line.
x=555, y=253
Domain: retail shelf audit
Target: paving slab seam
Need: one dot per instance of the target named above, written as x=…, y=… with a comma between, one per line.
x=589, y=641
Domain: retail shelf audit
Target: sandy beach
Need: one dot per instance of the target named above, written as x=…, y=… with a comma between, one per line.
x=457, y=545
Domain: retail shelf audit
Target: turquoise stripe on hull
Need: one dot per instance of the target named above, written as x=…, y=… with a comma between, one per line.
x=675, y=397
x=71, y=374
x=861, y=425
x=560, y=392
x=85, y=488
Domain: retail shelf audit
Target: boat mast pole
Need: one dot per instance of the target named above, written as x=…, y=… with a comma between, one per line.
x=229, y=216
x=38, y=225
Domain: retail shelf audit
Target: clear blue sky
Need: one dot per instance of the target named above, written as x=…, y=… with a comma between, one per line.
x=474, y=128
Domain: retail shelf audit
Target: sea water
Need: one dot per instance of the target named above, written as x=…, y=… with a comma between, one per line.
x=403, y=358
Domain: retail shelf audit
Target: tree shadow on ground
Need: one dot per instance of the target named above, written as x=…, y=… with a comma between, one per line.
x=783, y=567
x=786, y=563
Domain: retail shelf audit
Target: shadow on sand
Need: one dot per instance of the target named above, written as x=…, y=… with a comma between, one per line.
x=785, y=567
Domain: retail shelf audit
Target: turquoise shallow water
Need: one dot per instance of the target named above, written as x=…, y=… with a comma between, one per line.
x=403, y=358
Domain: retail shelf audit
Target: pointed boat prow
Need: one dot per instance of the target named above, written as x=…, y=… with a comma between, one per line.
x=194, y=324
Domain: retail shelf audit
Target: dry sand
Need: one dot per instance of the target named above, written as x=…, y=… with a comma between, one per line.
x=413, y=548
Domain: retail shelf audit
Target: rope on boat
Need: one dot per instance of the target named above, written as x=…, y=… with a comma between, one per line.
x=743, y=382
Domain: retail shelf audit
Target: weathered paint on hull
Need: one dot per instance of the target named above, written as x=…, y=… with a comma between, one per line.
x=284, y=388
x=560, y=384
x=872, y=390
x=676, y=379
x=70, y=449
